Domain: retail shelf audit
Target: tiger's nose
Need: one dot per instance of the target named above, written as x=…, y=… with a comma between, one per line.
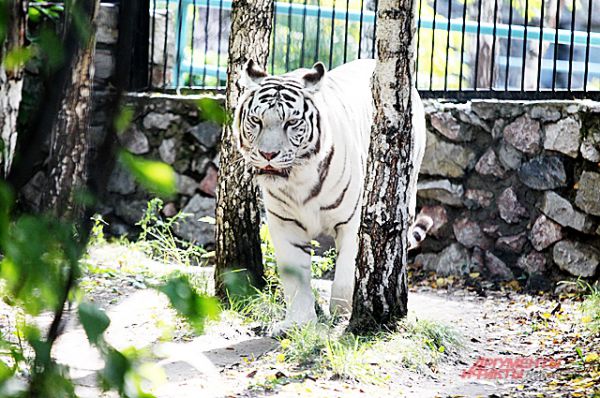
x=268, y=155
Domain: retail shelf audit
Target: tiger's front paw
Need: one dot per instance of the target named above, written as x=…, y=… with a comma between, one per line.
x=281, y=328
x=340, y=307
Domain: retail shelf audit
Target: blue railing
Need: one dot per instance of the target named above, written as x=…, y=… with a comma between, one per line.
x=185, y=69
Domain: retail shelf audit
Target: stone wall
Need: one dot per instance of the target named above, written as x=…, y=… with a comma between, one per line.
x=170, y=129
x=514, y=189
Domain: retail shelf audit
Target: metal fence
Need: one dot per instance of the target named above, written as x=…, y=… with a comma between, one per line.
x=515, y=49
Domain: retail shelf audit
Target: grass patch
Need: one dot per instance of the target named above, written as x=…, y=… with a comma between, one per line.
x=321, y=348
x=590, y=309
x=159, y=242
x=418, y=345
x=263, y=307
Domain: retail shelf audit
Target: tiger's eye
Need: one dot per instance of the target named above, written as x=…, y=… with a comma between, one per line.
x=255, y=120
x=291, y=123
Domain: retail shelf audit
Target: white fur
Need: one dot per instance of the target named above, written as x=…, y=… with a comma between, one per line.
x=345, y=102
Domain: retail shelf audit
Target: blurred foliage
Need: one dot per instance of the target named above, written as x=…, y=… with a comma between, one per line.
x=38, y=273
x=212, y=110
x=188, y=303
x=157, y=177
x=40, y=263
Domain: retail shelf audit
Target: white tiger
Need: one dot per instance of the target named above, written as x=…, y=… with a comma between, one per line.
x=307, y=134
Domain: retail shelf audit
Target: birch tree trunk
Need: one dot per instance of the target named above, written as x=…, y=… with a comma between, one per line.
x=11, y=80
x=380, y=295
x=237, y=212
x=67, y=162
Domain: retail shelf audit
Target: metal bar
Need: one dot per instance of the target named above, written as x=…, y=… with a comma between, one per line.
x=541, y=47
x=191, y=76
x=220, y=26
x=447, y=47
x=572, y=46
x=206, y=22
x=317, y=43
x=360, y=29
x=587, y=47
x=418, y=44
x=508, y=45
x=432, y=46
x=180, y=40
x=332, y=35
x=373, y=48
x=524, y=57
x=151, y=78
x=274, y=33
x=518, y=31
x=462, y=46
x=303, y=35
x=289, y=38
x=493, y=45
x=478, y=43
x=346, y=31
x=180, y=37
x=165, y=59
x=557, y=24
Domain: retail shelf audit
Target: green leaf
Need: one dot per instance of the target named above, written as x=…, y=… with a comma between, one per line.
x=6, y=202
x=123, y=119
x=115, y=369
x=39, y=254
x=17, y=58
x=157, y=177
x=212, y=111
x=94, y=321
x=194, y=307
x=33, y=14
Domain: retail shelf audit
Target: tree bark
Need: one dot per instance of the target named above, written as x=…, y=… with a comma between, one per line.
x=237, y=212
x=67, y=162
x=380, y=295
x=484, y=76
x=11, y=80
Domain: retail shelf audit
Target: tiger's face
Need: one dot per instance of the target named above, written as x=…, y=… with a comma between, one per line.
x=276, y=124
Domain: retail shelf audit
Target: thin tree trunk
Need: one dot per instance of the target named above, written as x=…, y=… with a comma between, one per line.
x=380, y=296
x=237, y=213
x=485, y=73
x=69, y=142
x=11, y=80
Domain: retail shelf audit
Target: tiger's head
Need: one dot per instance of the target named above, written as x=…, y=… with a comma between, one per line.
x=276, y=124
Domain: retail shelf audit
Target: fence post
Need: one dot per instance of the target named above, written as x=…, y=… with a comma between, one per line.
x=133, y=45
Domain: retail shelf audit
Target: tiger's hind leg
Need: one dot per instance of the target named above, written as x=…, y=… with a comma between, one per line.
x=292, y=252
x=342, y=290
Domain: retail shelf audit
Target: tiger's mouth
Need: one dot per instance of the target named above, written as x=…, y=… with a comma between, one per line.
x=272, y=171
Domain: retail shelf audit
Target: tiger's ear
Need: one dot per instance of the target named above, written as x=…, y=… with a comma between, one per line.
x=312, y=80
x=251, y=75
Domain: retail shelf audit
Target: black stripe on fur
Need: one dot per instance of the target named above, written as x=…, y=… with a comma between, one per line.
x=288, y=220
x=323, y=172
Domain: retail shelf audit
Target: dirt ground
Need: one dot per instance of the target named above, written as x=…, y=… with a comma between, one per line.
x=232, y=360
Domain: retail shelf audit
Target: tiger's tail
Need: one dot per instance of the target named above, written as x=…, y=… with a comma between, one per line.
x=418, y=230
